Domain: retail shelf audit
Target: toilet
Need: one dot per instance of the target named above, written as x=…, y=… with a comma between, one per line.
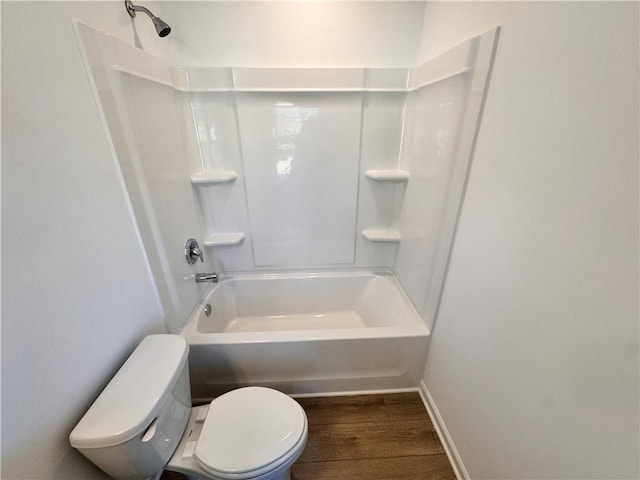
x=143, y=423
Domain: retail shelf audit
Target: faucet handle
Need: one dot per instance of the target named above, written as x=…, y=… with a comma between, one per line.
x=192, y=252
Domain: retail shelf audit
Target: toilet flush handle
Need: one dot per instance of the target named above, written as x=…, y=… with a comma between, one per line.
x=151, y=430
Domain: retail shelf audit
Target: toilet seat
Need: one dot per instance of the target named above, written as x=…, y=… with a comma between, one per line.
x=249, y=432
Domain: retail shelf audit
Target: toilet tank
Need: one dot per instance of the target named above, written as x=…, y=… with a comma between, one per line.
x=134, y=426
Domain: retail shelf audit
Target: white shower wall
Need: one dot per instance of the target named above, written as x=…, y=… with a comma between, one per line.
x=145, y=129
x=304, y=162
x=301, y=199
x=152, y=147
x=429, y=150
x=442, y=124
x=301, y=155
x=337, y=201
x=290, y=168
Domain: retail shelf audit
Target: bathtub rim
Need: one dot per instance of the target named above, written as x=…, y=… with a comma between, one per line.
x=190, y=332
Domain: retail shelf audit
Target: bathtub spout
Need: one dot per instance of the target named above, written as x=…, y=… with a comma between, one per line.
x=206, y=277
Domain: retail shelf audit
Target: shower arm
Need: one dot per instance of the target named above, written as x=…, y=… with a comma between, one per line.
x=132, y=9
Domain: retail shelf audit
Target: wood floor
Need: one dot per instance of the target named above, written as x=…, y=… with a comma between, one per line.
x=382, y=437
x=365, y=437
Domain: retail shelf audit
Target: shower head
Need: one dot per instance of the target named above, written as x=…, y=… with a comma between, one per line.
x=162, y=27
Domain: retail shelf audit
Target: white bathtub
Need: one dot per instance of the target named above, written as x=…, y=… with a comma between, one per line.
x=306, y=334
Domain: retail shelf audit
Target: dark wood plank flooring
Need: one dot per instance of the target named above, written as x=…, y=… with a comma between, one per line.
x=386, y=437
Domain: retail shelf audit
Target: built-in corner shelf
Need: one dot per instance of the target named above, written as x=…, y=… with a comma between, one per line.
x=223, y=239
x=212, y=178
x=387, y=175
x=382, y=235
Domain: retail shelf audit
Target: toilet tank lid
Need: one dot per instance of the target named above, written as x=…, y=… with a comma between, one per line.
x=131, y=400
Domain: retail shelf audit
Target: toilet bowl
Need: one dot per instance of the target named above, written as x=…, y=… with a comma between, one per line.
x=143, y=422
x=233, y=439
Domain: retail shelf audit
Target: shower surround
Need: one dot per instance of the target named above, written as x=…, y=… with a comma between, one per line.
x=295, y=171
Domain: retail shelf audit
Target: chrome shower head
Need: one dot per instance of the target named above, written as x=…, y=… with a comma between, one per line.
x=162, y=27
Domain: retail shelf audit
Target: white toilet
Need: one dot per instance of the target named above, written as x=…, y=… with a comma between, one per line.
x=143, y=422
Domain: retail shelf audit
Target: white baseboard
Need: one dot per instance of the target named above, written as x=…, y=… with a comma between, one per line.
x=441, y=429
x=349, y=393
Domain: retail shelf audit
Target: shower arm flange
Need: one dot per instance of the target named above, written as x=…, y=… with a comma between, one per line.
x=132, y=9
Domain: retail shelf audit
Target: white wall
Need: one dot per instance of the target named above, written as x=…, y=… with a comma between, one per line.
x=301, y=34
x=533, y=364
x=76, y=291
